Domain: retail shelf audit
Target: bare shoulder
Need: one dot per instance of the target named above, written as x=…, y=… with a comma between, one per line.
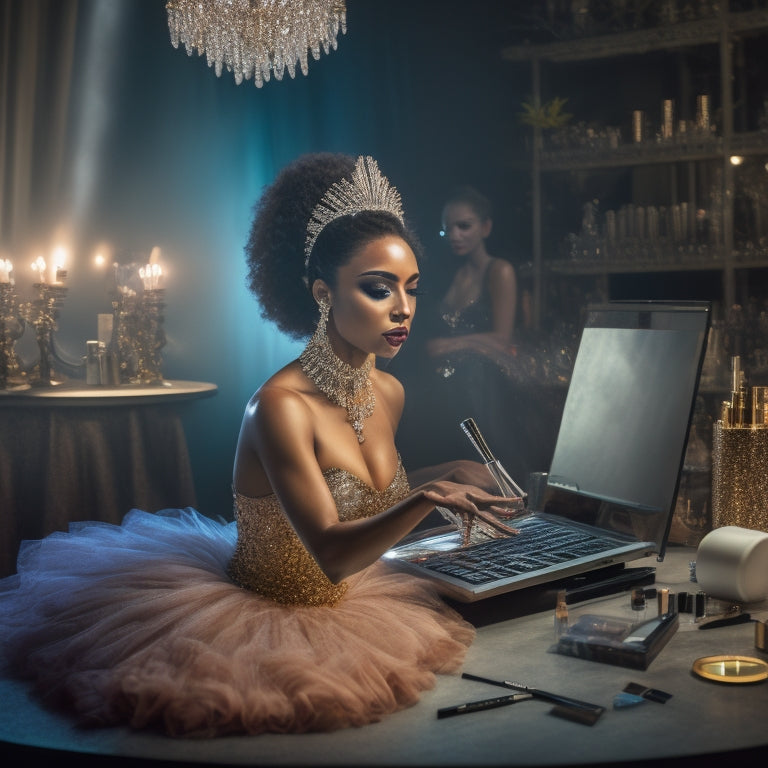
x=277, y=429
x=279, y=400
x=283, y=394
x=501, y=269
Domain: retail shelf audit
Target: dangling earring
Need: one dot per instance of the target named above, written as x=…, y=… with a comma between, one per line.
x=342, y=384
x=322, y=321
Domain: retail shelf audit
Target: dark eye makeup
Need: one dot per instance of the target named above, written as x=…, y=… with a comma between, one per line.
x=376, y=290
x=382, y=290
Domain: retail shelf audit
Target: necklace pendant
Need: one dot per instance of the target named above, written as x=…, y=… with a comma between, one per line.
x=342, y=384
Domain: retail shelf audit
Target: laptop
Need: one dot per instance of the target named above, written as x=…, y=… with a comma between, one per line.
x=612, y=484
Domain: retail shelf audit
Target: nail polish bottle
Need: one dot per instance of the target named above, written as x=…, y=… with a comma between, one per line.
x=561, y=615
x=638, y=604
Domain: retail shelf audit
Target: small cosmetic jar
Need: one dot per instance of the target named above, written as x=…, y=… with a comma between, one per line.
x=761, y=641
x=732, y=564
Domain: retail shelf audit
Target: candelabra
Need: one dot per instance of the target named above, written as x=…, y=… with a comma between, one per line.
x=150, y=335
x=41, y=313
x=11, y=329
x=123, y=344
x=137, y=323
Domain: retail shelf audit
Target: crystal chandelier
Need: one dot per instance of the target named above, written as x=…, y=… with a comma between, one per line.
x=256, y=38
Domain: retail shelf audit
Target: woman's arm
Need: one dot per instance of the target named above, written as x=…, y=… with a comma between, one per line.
x=460, y=471
x=503, y=291
x=279, y=427
x=348, y=547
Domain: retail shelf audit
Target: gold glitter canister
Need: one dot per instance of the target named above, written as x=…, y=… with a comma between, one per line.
x=740, y=477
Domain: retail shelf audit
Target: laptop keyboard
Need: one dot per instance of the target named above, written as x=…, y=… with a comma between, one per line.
x=539, y=544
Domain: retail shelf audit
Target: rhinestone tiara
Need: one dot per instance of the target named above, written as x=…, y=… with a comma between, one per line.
x=367, y=190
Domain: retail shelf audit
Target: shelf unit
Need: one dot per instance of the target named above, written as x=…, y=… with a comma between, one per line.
x=720, y=30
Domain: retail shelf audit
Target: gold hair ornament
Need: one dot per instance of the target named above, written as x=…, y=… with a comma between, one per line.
x=367, y=190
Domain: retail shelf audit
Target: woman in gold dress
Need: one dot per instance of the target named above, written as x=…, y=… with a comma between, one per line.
x=286, y=619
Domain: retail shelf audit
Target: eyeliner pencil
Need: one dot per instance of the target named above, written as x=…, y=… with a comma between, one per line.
x=478, y=706
x=536, y=693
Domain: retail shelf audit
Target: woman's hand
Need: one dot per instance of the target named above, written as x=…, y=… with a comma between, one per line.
x=466, y=472
x=470, y=503
x=499, y=528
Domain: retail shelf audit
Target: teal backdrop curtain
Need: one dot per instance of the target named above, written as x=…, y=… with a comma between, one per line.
x=113, y=138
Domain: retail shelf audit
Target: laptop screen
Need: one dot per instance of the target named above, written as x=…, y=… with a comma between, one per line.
x=625, y=422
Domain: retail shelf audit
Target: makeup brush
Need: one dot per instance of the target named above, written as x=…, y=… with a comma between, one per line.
x=537, y=693
x=507, y=485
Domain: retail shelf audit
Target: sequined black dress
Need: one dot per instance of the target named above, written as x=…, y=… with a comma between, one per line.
x=498, y=389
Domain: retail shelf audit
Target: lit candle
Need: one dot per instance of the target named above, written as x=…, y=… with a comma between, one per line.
x=5, y=270
x=157, y=273
x=155, y=270
x=38, y=265
x=150, y=276
x=102, y=256
x=58, y=271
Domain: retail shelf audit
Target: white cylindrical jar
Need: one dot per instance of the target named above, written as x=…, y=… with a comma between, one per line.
x=732, y=564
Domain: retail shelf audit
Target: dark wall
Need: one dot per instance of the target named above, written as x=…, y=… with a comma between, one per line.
x=159, y=152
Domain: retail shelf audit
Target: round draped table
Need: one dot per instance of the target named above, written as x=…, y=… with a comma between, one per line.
x=72, y=452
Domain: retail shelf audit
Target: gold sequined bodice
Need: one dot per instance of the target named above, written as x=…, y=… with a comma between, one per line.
x=270, y=559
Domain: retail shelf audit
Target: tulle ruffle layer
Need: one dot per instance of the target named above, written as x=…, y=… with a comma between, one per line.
x=138, y=624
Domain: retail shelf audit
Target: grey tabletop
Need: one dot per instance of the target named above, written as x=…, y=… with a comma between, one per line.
x=700, y=718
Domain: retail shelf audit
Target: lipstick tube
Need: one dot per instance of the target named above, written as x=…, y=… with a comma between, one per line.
x=759, y=403
x=738, y=394
x=738, y=407
x=561, y=615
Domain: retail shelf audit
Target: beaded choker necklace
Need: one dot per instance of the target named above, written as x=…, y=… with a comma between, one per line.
x=342, y=384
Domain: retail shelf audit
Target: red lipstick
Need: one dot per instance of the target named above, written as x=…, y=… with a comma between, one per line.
x=396, y=336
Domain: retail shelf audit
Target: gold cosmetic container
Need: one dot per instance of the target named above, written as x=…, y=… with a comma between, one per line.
x=740, y=457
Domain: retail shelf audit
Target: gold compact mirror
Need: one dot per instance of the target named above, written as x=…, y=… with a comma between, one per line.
x=731, y=669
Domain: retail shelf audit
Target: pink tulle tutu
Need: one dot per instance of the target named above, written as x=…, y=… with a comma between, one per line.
x=139, y=624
